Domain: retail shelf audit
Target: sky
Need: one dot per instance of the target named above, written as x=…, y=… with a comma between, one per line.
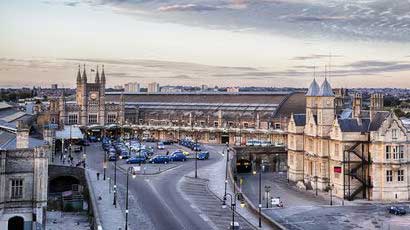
x=276, y=43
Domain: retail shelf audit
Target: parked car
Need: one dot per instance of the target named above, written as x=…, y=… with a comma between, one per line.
x=124, y=154
x=203, y=155
x=196, y=147
x=167, y=142
x=161, y=145
x=159, y=159
x=396, y=210
x=93, y=139
x=136, y=160
x=112, y=157
x=177, y=156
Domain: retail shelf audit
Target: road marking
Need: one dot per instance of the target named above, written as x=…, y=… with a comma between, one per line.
x=166, y=205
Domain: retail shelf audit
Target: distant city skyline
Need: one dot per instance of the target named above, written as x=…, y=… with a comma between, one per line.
x=228, y=43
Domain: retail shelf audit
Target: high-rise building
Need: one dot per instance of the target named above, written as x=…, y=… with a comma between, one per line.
x=232, y=90
x=153, y=87
x=132, y=87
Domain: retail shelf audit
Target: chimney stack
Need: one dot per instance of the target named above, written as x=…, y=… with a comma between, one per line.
x=376, y=104
x=357, y=105
x=22, y=135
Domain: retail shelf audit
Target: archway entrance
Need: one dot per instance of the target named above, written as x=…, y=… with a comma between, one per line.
x=62, y=184
x=16, y=223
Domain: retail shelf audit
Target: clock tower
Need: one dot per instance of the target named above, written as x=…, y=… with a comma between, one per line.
x=90, y=98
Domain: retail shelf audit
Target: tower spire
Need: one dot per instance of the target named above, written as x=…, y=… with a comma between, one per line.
x=102, y=75
x=78, y=75
x=84, y=78
x=97, y=76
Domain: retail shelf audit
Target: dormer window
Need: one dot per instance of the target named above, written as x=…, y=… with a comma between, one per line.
x=394, y=133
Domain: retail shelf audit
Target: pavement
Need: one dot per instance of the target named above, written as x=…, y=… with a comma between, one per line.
x=155, y=201
x=215, y=174
x=111, y=217
x=197, y=192
x=304, y=210
x=63, y=220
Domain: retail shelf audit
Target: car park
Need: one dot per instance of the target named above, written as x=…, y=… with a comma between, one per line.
x=203, y=155
x=161, y=145
x=112, y=157
x=397, y=210
x=167, y=142
x=93, y=139
x=159, y=159
x=178, y=156
x=196, y=147
x=136, y=160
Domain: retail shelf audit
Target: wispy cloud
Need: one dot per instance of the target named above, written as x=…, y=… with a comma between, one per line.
x=186, y=7
x=315, y=56
x=367, y=19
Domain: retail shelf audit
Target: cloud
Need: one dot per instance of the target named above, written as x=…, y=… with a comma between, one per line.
x=71, y=3
x=348, y=19
x=372, y=63
x=314, y=56
x=186, y=7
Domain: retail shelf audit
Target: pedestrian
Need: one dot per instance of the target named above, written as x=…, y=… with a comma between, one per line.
x=64, y=159
x=98, y=176
x=167, y=152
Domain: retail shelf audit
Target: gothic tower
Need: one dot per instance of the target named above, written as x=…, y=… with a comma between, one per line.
x=325, y=109
x=102, y=97
x=83, y=101
x=311, y=99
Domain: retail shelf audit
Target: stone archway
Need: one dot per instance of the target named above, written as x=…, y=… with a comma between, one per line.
x=62, y=184
x=16, y=223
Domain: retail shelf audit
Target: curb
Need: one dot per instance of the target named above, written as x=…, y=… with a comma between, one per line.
x=94, y=204
x=274, y=224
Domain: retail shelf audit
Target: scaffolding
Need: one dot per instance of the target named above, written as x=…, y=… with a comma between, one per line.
x=356, y=171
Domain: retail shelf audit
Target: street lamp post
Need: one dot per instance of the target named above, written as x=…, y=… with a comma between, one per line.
x=260, y=196
x=226, y=169
x=130, y=169
x=104, y=165
x=331, y=195
x=196, y=157
x=115, y=182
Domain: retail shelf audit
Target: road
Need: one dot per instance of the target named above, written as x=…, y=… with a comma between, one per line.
x=155, y=201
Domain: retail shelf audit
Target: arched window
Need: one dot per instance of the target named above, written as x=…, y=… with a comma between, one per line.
x=16, y=223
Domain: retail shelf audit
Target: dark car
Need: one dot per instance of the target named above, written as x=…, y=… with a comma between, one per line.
x=112, y=157
x=196, y=147
x=167, y=142
x=203, y=155
x=159, y=159
x=136, y=160
x=177, y=156
x=397, y=210
x=93, y=139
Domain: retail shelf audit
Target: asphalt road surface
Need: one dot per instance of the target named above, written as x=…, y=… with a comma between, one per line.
x=156, y=202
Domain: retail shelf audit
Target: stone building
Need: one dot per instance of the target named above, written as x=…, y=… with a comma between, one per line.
x=210, y=117
x=23, y=179
x=89, y=108
x=357, y=153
